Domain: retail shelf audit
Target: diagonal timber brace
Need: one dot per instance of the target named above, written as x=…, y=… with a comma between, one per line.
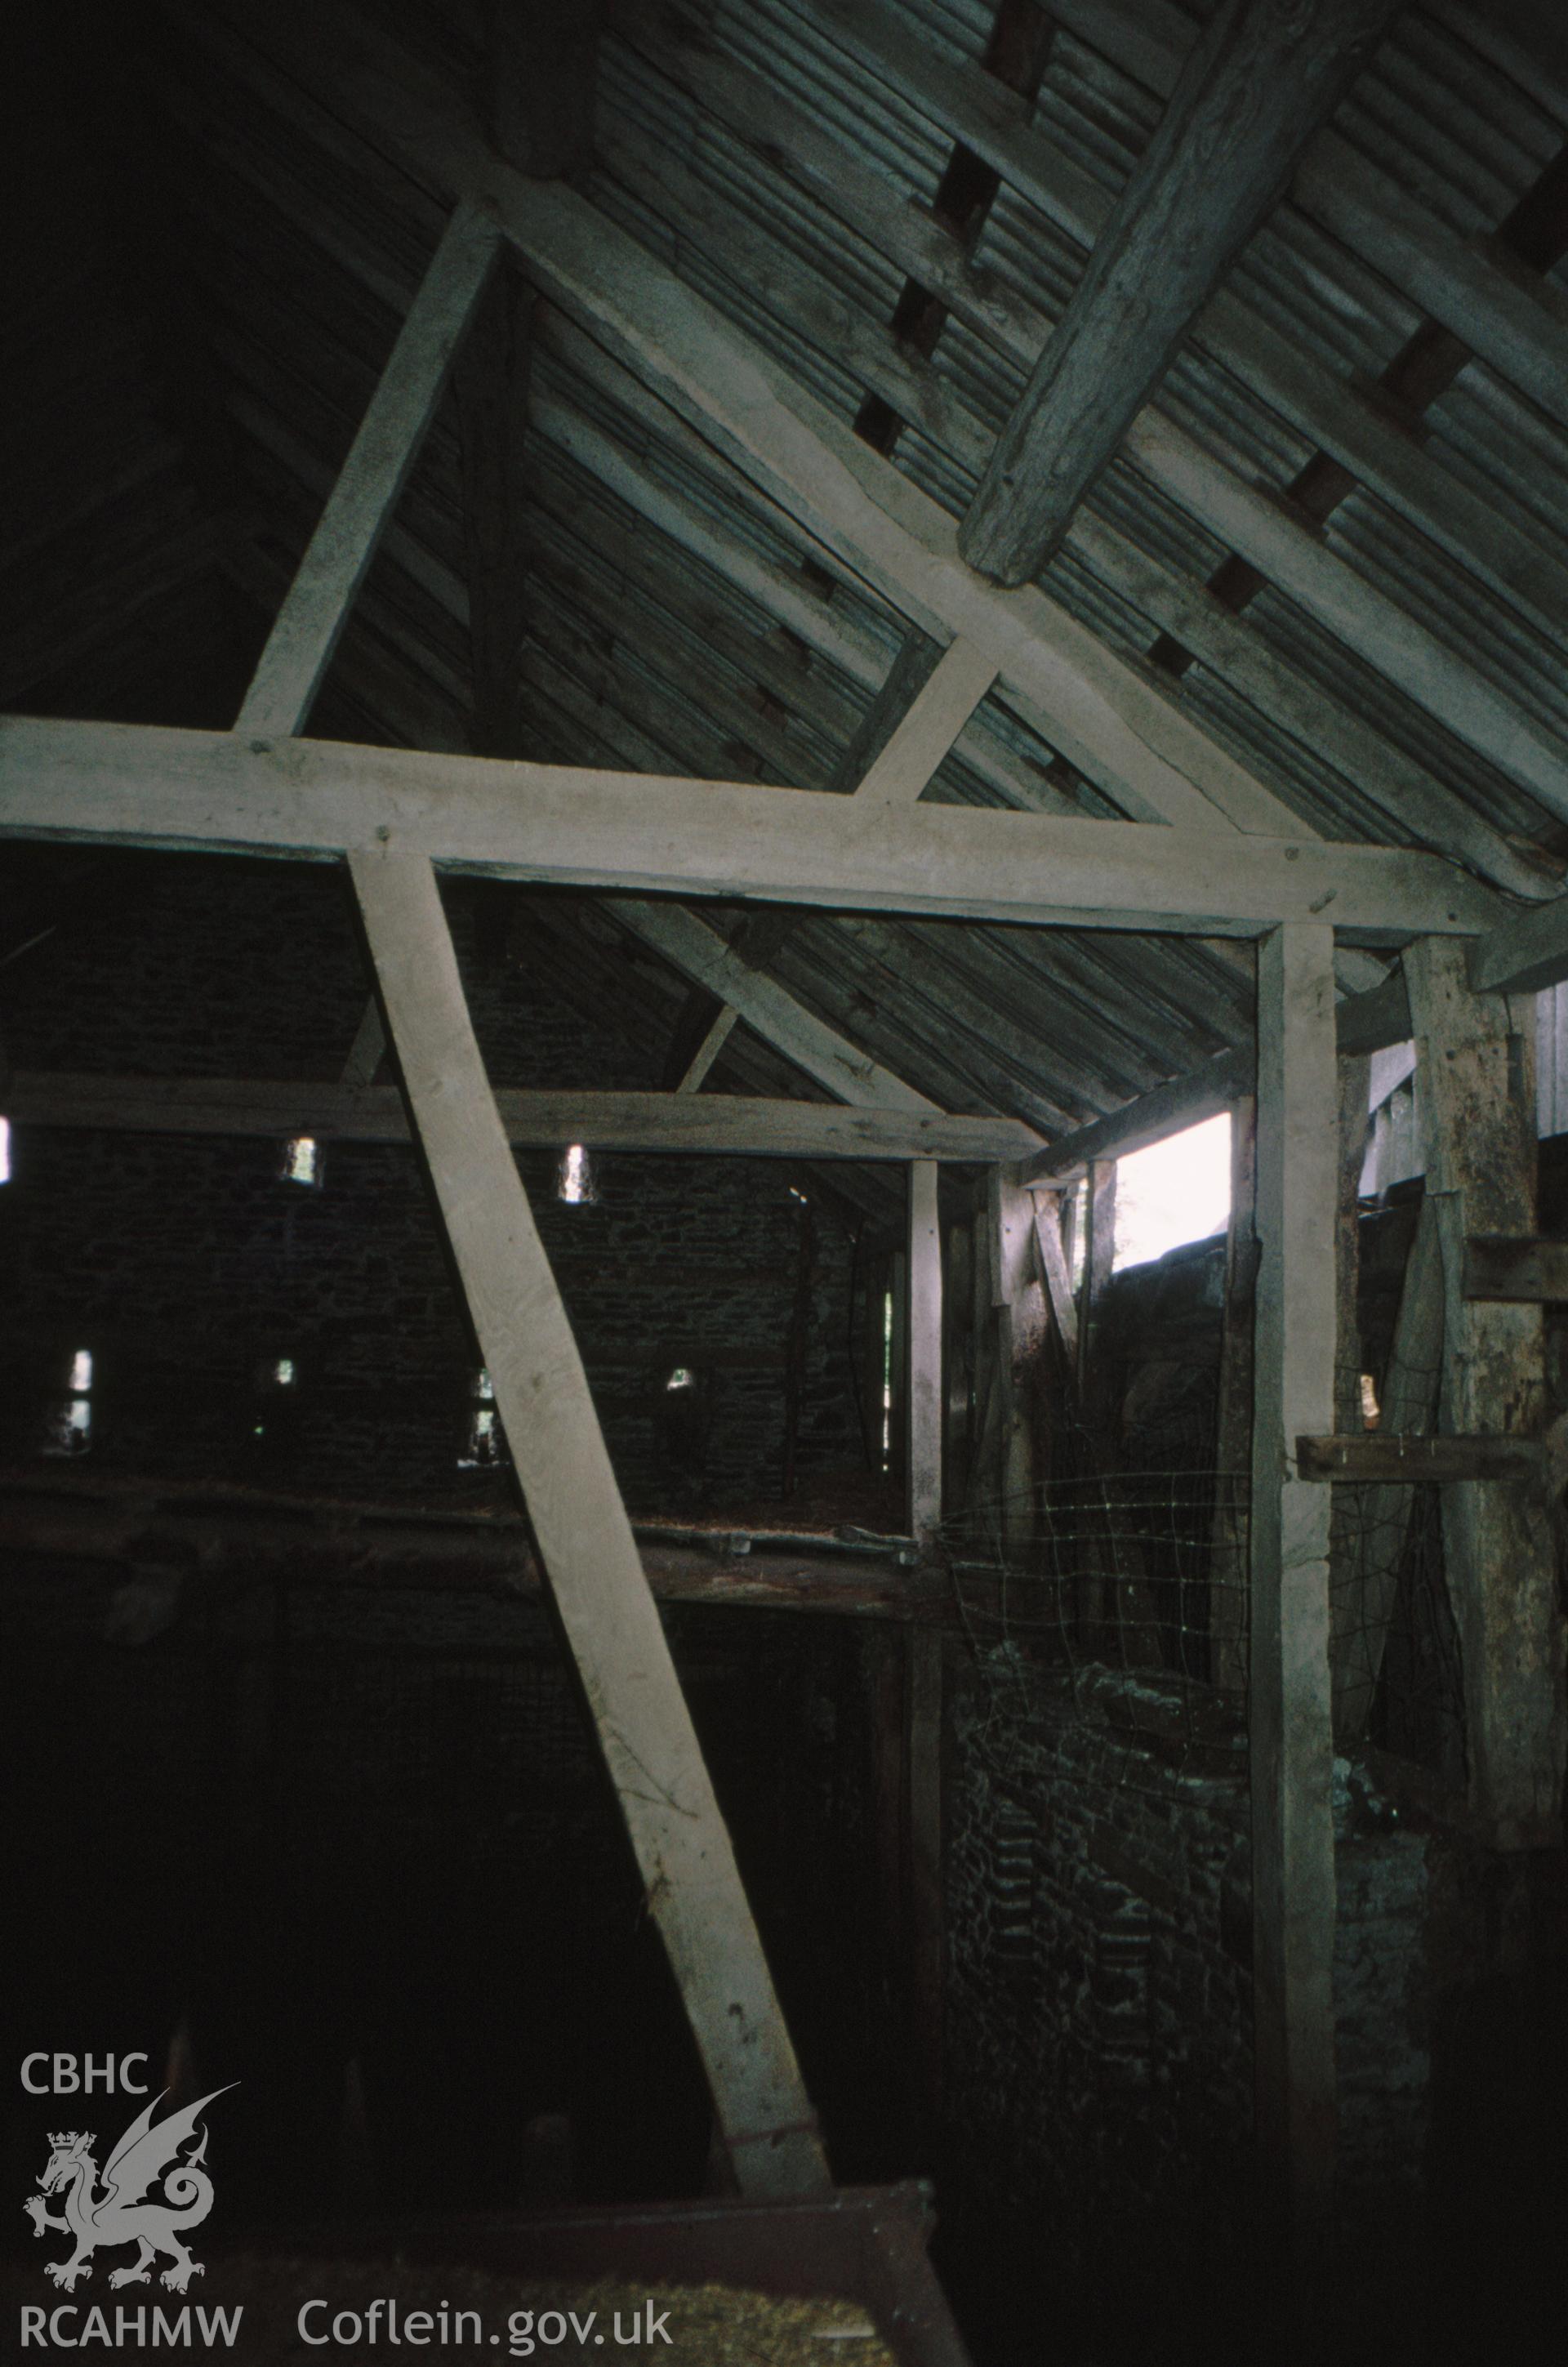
x=595, y=1574
x=605, y=1605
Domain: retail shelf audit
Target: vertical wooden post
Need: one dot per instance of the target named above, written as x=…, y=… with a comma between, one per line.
x=1233, y=1428
x=898, y=1370
x=1099, y=1254
x=1476, y=1099
x=595, y=1573
x=923, y=1391
x=1019, y=1311
x=1291, y=1740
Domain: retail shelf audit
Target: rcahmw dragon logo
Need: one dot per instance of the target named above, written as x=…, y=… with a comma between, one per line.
x=129, y=2209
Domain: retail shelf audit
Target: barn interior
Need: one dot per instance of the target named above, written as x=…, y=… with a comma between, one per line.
x=632, y=1570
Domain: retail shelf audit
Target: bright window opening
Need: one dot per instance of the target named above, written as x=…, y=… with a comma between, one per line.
x=484, y=1445
x=282, y=1373
x=575, y=1181
x=5, y=1149
x=1371, y=1412
x=302, y=1159
x=886, y=1379
x=683, y=1377
x=69, y=1429
x=1176, y=1191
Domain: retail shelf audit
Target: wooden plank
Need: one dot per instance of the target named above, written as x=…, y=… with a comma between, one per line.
x=1018, y=1322
x=490, y=383
x=922, y=1476
x=1256, y=85
x=1518, y=323
x=929, y=727
x=1290, y=1731
x=135, y=785
x=1228, y=1589
x=1055, y=1270
x=1099, y=1257
x=1530, y=1269
x=596, y=1579
x=299, y=648
x=1260, y=527
x=1476, y=1106
x=1358, y=1457
x=1363, y=1612
x=723, y=1123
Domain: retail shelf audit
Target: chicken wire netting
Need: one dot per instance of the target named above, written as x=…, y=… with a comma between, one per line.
x=1130, y=1590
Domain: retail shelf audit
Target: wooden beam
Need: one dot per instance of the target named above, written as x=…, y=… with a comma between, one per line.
x=1524, y=954
x=1435, y=265
x=134, y=785
x=1335, y=414
x=1529, y=1270
x=1475, y=1101
x=809, y=153
x=729, y=1125
x=1363, y=1609
x=490, y=383
x=299, y=648
x=775, y=1014
x=1265, y=74
x=929, y=727
x=922, y=1474
x=1099, y=1258
x=1054, y=1271
x=1363, y=1455
x=725, y=1019
x=1291, y=1736
x=596, y=1576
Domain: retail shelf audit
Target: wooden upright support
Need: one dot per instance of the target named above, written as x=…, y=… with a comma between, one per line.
x=603, y=1601
x=922, y=1398
x=595, y=1574
x=1475, y=1095
x=1291, y=1749
x=1018, y=1309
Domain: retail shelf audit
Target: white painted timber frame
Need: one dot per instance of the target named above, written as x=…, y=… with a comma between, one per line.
x=741, y=1125
x=134, y=785
x=1289, y=1722
x=594, y=1571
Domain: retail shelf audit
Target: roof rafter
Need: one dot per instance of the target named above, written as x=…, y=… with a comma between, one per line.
x=1264, y=73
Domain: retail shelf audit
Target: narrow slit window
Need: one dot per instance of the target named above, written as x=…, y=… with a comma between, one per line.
x=484, y=1444
x=69, y=1427
x=886, y=1379
x=5, y=1149
x=302, y=1159
x=575, y=1184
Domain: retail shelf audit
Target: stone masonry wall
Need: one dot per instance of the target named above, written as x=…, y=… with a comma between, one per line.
x=190, y=1268
x=1097, y=2036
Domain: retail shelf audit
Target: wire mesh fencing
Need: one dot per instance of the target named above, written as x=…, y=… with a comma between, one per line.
x=1131, y=1589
